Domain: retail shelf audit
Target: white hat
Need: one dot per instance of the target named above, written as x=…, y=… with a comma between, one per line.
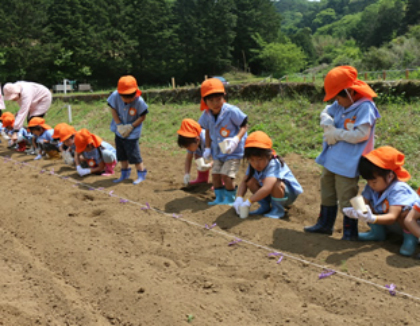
x=11, y=91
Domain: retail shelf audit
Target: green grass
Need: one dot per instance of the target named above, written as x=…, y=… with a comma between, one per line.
x=293, y=124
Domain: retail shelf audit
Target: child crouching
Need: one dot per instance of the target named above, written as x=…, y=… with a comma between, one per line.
x=269, y=179
x=44, y=138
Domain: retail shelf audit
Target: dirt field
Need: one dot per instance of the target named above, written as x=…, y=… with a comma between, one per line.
x=74, y=256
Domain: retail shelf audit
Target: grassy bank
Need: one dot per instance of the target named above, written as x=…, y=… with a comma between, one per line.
x=293, y=124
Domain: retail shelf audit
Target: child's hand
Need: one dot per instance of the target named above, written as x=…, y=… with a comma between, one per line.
x=329, y=135
x=238, y=201
x=368, y=217
x=232, y=143
x=120, y=129
x=186, y=178
x=207, y=153
x=350, y=212
x=46, y=141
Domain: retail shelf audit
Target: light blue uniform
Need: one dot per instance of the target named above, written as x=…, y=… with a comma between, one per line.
x=202, y=146
x=24, y=133
x=106, y=154
x=128, y=113
x=227, y=125
x=397, y=194
x=46, y=135
x=343, y=158
x=274, y=169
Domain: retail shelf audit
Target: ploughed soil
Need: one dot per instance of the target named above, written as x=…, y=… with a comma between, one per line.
x=73, y=255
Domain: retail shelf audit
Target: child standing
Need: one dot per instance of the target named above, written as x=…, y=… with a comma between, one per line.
x=349, y=129
x=44, y=138
x=387, y=196
x=223, y=123
x=267, y=177
x=98, y=155
x=128, y=113
x=193, y=138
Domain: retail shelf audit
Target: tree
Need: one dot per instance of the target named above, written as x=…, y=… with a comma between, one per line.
x=303, y=39
x=325, y=17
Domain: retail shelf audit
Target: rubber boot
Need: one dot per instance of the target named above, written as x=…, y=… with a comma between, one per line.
x=264, y=206
x=230, y=196
x=220, y=196
x=202, y=177
x=326, y=220
x=409, y=245
x=377, y=233
x=21, y=146
x=350, y=231
x=109, y=169
x=125, y=174
x=141, y=176
x=31, y=151
x=277, y=209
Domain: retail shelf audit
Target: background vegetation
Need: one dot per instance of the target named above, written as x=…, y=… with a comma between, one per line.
x=98, y=41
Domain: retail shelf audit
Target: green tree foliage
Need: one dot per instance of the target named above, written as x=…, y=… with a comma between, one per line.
x=412, y=16
x=303, y=39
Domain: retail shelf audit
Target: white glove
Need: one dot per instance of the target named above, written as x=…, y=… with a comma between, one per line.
x=350, y=212
x=207, y=153
x=38, y=157
x=186, y=178
x=232, y=143
x=67, y=158
x=329, y=135
x=120, y=128
x=127, y=129
x=82, y=172
x=238, y=201
x=368, y=217
x=326, y=120
x=204, y=167
x=5, y=137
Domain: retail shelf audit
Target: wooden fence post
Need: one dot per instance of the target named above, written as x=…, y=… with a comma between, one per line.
x=173, y=82
x=366, y=76
x=407, y=74
x=313, y=78
x=287, y=78
x=205, y=77
x=304, y=79
x=384, y=75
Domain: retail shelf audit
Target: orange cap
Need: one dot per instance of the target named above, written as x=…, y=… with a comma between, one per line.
x=83, y=138
x=57, y=130
x=189, y=128
x=66, y=132
x=6, y=114
x=38, y=122
x=128, y=85
x=344, y=77
x=259, y=139
x=389, y=158
x=8, y=121
x=208, y=87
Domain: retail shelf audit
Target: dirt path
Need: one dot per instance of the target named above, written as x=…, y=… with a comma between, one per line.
x=73, y=256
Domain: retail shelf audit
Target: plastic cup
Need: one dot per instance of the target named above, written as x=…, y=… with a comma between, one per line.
x=200, y=162
x=243, y=211
x=358, y=203
x=223, y=146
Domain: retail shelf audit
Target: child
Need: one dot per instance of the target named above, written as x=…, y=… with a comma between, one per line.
x=97, y=154
x=3, y=130
x=222, y=122
x=24, y=137
x=193, y=138
x=412, y=223
x=44, y=138
x=128, y=113
x=349, y=129
x=65, y=133
x=387, y=196
x=33, y=99
x=267, y=177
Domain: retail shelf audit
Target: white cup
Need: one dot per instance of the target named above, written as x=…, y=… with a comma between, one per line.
x=243, y=211
x=200, y=162
x=223, y=146
x=358, y=203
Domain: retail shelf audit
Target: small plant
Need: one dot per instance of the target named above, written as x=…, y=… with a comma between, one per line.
x=343, y=266
x=190, y=318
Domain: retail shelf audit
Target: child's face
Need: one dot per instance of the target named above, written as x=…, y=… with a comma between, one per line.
x=345, y=102
x=379, y=184
x=259, y=163
x=215, y=103
x=89, y=148
x=37, y=132
x=128, y=99
x=193, y=146
x=9, y=128
x=69, y=142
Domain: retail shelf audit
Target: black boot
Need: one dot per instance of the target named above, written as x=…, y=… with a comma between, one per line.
x=350, y=230
x=326, y=220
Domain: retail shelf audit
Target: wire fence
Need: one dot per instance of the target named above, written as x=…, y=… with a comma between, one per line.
x=389, y=75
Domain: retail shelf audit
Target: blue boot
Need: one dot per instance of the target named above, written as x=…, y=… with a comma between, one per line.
x=350, y=229
x=277, y=209
x=125, y=174
x=326, y=220
x=264, y=207
x=230, y=196
x=377, y=233
x=141, y=176
x=409, y=245
x=220, y=196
